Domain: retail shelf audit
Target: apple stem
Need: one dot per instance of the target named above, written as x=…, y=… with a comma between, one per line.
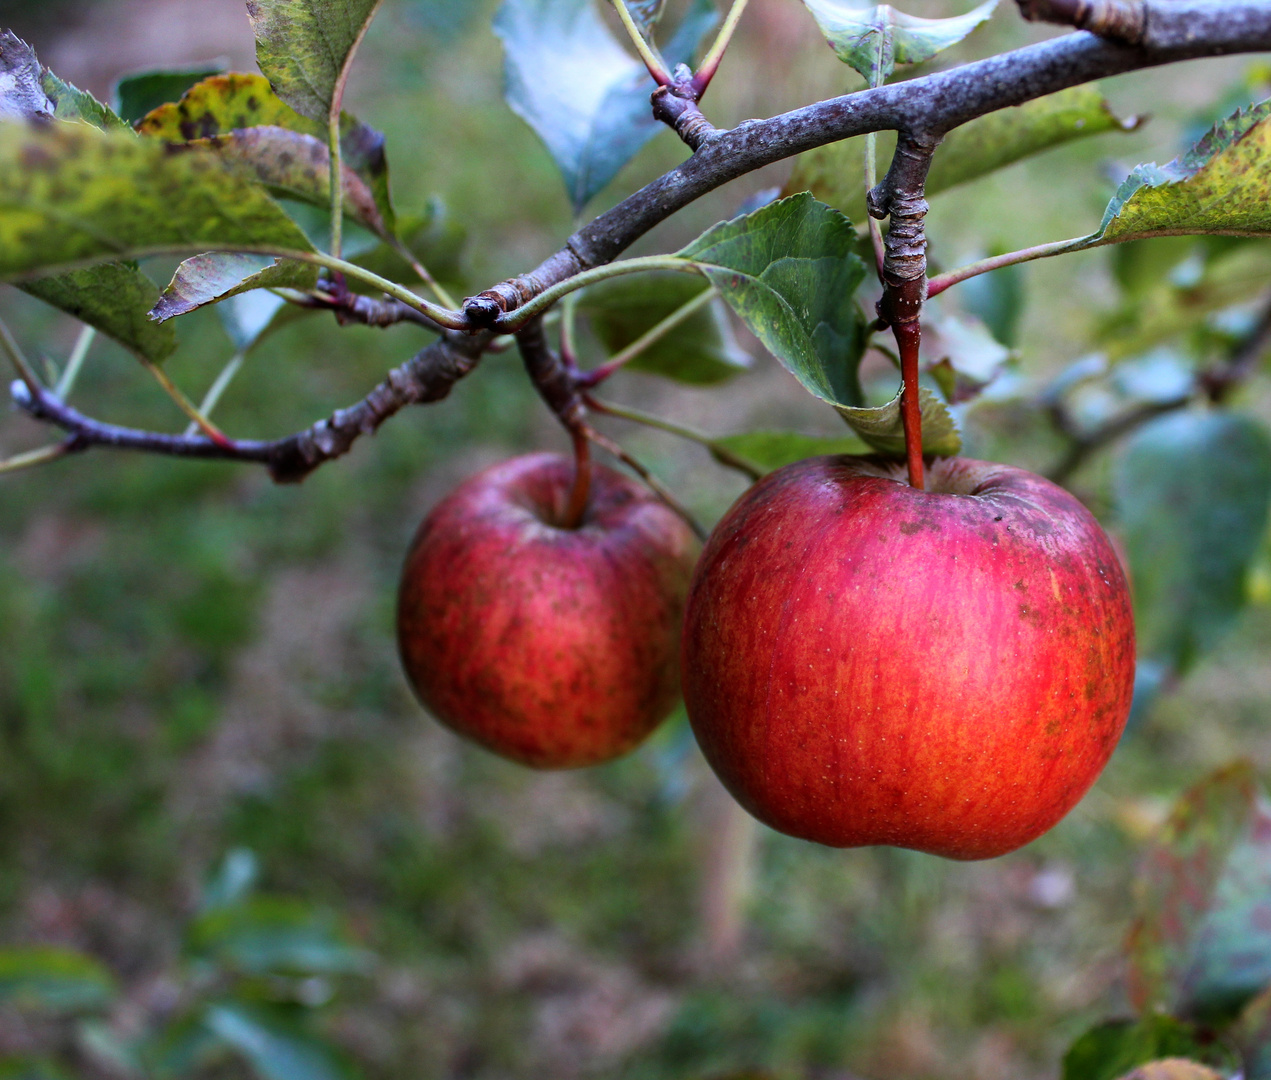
x=908, y=339
x=580, y=495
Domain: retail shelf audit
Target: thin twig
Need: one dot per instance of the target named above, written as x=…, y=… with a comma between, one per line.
x=213, y=396
x=42, y=456
x=427, y=377
x=337, y=179
x=935, y=104
x=1215, y=383
x=648, y=53
x=75, y=362
x=654, y=484
x=717, y=450
x=710, y=62
x=20, y=363
x=940, y=282
x=186, y=405
x=649, y=338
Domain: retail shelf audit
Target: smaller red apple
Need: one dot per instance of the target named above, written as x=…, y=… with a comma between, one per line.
x=554, y=647
x=947, y=670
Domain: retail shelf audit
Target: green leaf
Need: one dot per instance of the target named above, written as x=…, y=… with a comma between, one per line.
x=233, y=880
x=790, y=271
x=765, y=451
x=1187, y=291
x=143, y=91
x=1252, y=1033
x=579, y=89
x=113, y=298
x=208, y=279
x=835, y=173
x=1192, y=493
x=1004, y=137
x=116, y=299
x=181, y=1049
x=31, y=1069
x=225, y=103
x=274, y=1050
x=72, y=195
x=1219, y=186
x=874, y=40
x=230, y=105
x=699, y=350
x=273, y=936
x=884, y=431
x=1200, y=945
x=305, y=47
x=53, y=979
x=1112, y=1049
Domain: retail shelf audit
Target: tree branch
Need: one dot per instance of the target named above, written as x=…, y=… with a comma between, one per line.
x=1215, y=382
x=924, y=109
x=933, y=105
x=425, y=378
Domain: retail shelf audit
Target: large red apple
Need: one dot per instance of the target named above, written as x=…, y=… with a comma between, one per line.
x=554, y=647
x=946, y=670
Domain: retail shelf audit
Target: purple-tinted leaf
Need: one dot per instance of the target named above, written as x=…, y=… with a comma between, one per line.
x=296, y=166
x=206, y=279
x=22, y=96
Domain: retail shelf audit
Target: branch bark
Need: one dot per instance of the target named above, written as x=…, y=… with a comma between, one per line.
x=1175, y=30
x=427, y=377
x=924, y=109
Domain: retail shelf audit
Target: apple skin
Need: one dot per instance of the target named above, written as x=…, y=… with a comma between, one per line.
x=946, y=670
x=554, y=647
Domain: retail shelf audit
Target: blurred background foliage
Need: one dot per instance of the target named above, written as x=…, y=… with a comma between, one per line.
x=231, y=845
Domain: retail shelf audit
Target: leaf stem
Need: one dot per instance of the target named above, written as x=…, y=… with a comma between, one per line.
x=718, y=451
x=438, y=290
x=186, y=406
x=25, y=372
x=648, y=53
x=654, y=484
x=36, y=457
x=710, y=62
x=938, y=284
x=650, y=337
x=213, y=396
x=76, y=362
x=871, y=181
x=518, y=317
x=335, y=158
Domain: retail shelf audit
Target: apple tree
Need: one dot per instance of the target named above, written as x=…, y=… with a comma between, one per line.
x=884, y=642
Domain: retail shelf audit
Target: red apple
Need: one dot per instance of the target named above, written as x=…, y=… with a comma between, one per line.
x=553, y=647
x=946, y=670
